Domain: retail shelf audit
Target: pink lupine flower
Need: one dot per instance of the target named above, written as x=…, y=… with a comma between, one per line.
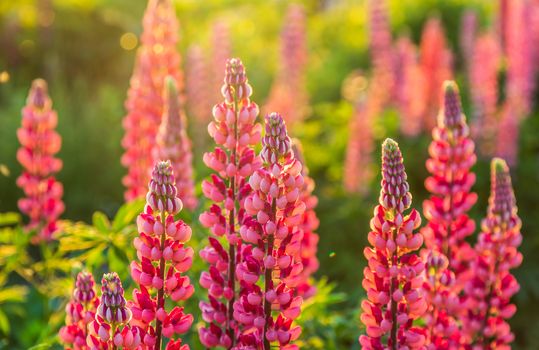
x=489, y=293
x=288, y=93
x=273, y=235
x=520, y=69
x=156, y=58
x=508, y=132
x=80, y=311
x=484, y=90
x=220, y=53
x=451, y=158
x=357, y=165
x=110, y=329
x=39, y=143
x=393, y=277
x=409, y=87
x=235, y=133
x=198, y=87
x=309, y=224
x=468, y=31
x=381, y=51
x=174, y=144
x=163, y=258
x=442, y=329
x=436, y=63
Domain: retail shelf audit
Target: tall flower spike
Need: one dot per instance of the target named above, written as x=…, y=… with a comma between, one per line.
x=288, y=93
x=468, y=31
x=39, y=143
x=80, y=311
x=309, y=224
x=489, y=293
x=451, y=158
x=409, y=87
x=393, y=276
x=235, y=133
x=357, y=165
x=508, y=132
x=163, y=258
x=273, y=230
x=436, y=63
x=145, y=101
x=484, y=90
x=198, y=89
x=220, y=53
x=110, y=329
x=174, y=144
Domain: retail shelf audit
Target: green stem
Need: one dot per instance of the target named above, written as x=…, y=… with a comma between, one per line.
x=161, y=291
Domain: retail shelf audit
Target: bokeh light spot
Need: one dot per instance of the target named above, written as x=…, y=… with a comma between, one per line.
x=4, y=77
x=128, y=41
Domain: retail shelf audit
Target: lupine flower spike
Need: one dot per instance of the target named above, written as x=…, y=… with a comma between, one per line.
x=110, y=329
x=357, y=166
x=451, y=158
x=233, y=160
x=198, y=89
x=163, y=259
x=310, y=222
x=145, y=101
x=409, y=87
x=271, y=268
x=448, y=255
x=288, y=93
x=488, y=302
x=174, y=144
x=436, y=62
x=484, y=67
x=80, y=311
x=393, y=276
x=39, y=143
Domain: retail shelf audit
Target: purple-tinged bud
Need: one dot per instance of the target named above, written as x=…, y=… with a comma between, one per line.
x=84, y=291
x=162, y=192
x=112, y=308
x=395, y=189
x=276, y=143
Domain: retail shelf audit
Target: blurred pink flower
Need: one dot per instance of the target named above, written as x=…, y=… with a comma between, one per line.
x=174, y=144
x=39, y=143
x=156, y=58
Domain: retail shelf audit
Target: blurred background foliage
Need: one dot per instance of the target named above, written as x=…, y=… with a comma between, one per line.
x=85, y=49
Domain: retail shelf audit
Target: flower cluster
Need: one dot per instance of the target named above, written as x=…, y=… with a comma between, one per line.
x=489, y=292
x=156, y=58
x=163, y=259
x=436, y=63
x=271, y=266
x=393, y=277
x=357, y=172
x=174, y=144
x=309, y=224
x=442, y=329
x=110, y=327
x=233, y=160
x=451, y=158
x=197, y=86
x=484, y=90
x=221, y=50
x=408, y=89
x=288, y=94
x=80, y=311
x=39, y=143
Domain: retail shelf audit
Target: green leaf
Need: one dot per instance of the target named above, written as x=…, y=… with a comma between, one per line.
x=13, y=294
x=4, y=323
x=9, y=218
x=101, y=222
x=127, y=214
